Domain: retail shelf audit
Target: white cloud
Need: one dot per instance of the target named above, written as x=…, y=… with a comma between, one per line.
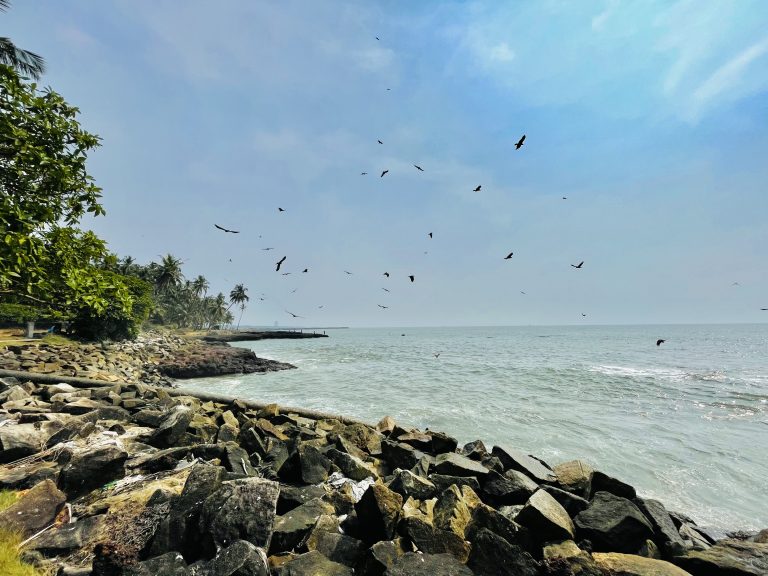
x=501, y=53
x=599, y=21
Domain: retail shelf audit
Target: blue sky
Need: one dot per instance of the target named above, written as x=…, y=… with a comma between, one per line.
x=650, y=117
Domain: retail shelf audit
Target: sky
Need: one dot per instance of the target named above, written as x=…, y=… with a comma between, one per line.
x=650, y=118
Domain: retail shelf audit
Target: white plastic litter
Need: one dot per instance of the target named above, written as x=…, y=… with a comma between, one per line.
x=337, y=480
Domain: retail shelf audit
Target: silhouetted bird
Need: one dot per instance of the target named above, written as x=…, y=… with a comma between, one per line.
x=225, y=230
x=267, y=248
x=477, y=189
x=379, y=141
x=382, y=174
x=579, y=265
x=319, y=307
x=380, y=306
x=564, y=198
x=430, y=234
x=363, y=173
x=294, y=315
x=659, y=342
x=419, y=168
x=584, y=315
x=508, y=256
x=280, y=263
x=294, y=290
x=520, y=143
x=386, y=274
x=345, y=272
x=436, y=354
x=412, y=278
x=286, y=273
x=376, y=37
x=735, y=284
x=385, y=290
x=763, y=309
x=280, y=209
x=521, y=292
x=305, y=270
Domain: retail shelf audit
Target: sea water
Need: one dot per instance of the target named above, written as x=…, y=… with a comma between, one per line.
x=685, y=422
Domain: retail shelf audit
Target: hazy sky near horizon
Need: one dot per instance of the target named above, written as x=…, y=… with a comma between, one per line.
x=650, y=117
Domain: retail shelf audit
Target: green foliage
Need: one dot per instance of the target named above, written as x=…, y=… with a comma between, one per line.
x=19, y=313
x=24, y=61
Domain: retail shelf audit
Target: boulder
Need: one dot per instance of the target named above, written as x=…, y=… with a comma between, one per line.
x=23, y=477
x=516, y=460
x=364, y=437
x=406, y=483
x=475, y=450
x=172, y=427
x=727, y=558
x=169, y=564
x=454, y=464
x=441, y=442
x=613, y=524
x=452, y=512
x=381, y=556
x=442, y=482
x=386, y=425
x=314, y=466
x=631, y=565
x=664, y=529
x=399, y=455
x=603, y=483
x=418, y=440
x=64, y=539
x=352, y=466
x=572, y=503
x=294, y=496
x=488, y=518
x=574, y=476
x=337, y=547
x=546, y=518
x=291, y=528
x=431, y=540
x=20, y=440
x=492, y=555
x=512, y=487
x=314, y=564
x=412, y=564
x=241, y=558
x=35, y=510
x=241, y=510
x=91, y=468
x=378, y=512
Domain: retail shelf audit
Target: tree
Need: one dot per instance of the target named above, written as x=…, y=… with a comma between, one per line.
x=169, y=275
x=24, y=61
x=238, y=296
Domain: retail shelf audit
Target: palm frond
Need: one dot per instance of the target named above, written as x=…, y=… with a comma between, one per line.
x=4, y=5
x=24, y=61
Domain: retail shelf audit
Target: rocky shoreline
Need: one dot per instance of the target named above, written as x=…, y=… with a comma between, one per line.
x=136, y=480
x=245, y=336
x=154, y=358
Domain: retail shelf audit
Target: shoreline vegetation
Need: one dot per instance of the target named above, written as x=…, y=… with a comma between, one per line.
x=129, y=478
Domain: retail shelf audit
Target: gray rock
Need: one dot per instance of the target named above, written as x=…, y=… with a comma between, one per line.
x=291, y=528
x=241, y=558
x=412, y=564
x=512, y=487
x=241, y=510
x=431, y=540
x=92, y=468
x=475, y=450
x=378, y=512
x=457, y=465
x=406, y=483
x=442, y=443
x=574, y=476
x=664, y=529
x=337, y=547
x=169, y=564
x=603, y=483
x=294, y=496
x=351, y=466
x=20, y=440
x=314, y=564
x=381, y=556
x=23, y=477
x=613, y=524
x=487, y=518
x=546, y=518
x=400, y=455
x=516, y=460
x=35, y=510
x=67, y=537
x=572, y=503
x=443, y=482
x=172, y=427
x=314, y=466
x=492, y=555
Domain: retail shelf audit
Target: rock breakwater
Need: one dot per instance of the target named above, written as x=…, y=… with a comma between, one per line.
x=129, y=479
x=153, y=358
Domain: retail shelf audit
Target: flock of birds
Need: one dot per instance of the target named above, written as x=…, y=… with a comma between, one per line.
x=518, y=145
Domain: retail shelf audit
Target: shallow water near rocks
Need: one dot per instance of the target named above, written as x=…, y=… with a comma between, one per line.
x=685, y=422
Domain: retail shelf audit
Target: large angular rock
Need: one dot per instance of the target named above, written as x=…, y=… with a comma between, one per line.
x=631, y=565
x=452, y=512
x=572, y=503
x=431, y=540
x=291, y=528
x=294, y=496
x=20, y=440
x=512, y=487
x=664, y=529
x=169, y=564
x=35, y=510
x=574, y=476
x=601, y=482
x=172, y=427
x=92, y=468
x=378, y=512
x=352, y=466
x=488, y=518
x=23, y=477
x=412, y=564
x=454, y=464
x=314, y=466
x=442, y=482
x=381, y=556
x=68, y=537
x=241, y=558
x=546, y=518
x=517, y=460
x=613, y=524
x=337, y=547
x=727, y=558
x=406, y=483
x=492, y=555
x=241, y=510
x=399, y=455
x=314, y=564
x=475, y=450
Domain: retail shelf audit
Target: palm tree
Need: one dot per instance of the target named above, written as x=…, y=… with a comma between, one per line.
x=200, y=286
x=238, y=296
x=169, y=274
x=23, y=61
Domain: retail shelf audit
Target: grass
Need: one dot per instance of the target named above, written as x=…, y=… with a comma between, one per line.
x=7, y=498
x=10, y=565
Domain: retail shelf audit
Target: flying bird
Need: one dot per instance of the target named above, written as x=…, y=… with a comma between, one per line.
x=286, y=273
x=294, y=290
x=659, y=342
x=520, y=143
x=412, y=277
x=267, y=248
x=477, y=189
x=763, y=309
x=565, y=198
x=379, y=141
x=319, y=307
x=345, y=272
x=508, y=256
x=419, y=168
x=380, y=306
x=579, y=265
x=226, y=230
x=584, y=315
x=382, y=174
x=385, y=290
x=363, y=173
x=376, y=37
x=386, y=274
x=735, y=284
x=430, y=234
x=280, y=209
x=305, y=270
x=294, y=315
x=280, y=263
x=436, y=354
x=521, y=292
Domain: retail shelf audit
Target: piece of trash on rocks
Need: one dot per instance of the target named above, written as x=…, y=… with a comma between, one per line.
x=337, y=480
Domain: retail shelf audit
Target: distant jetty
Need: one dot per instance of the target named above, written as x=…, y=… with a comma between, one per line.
x=262, y=335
